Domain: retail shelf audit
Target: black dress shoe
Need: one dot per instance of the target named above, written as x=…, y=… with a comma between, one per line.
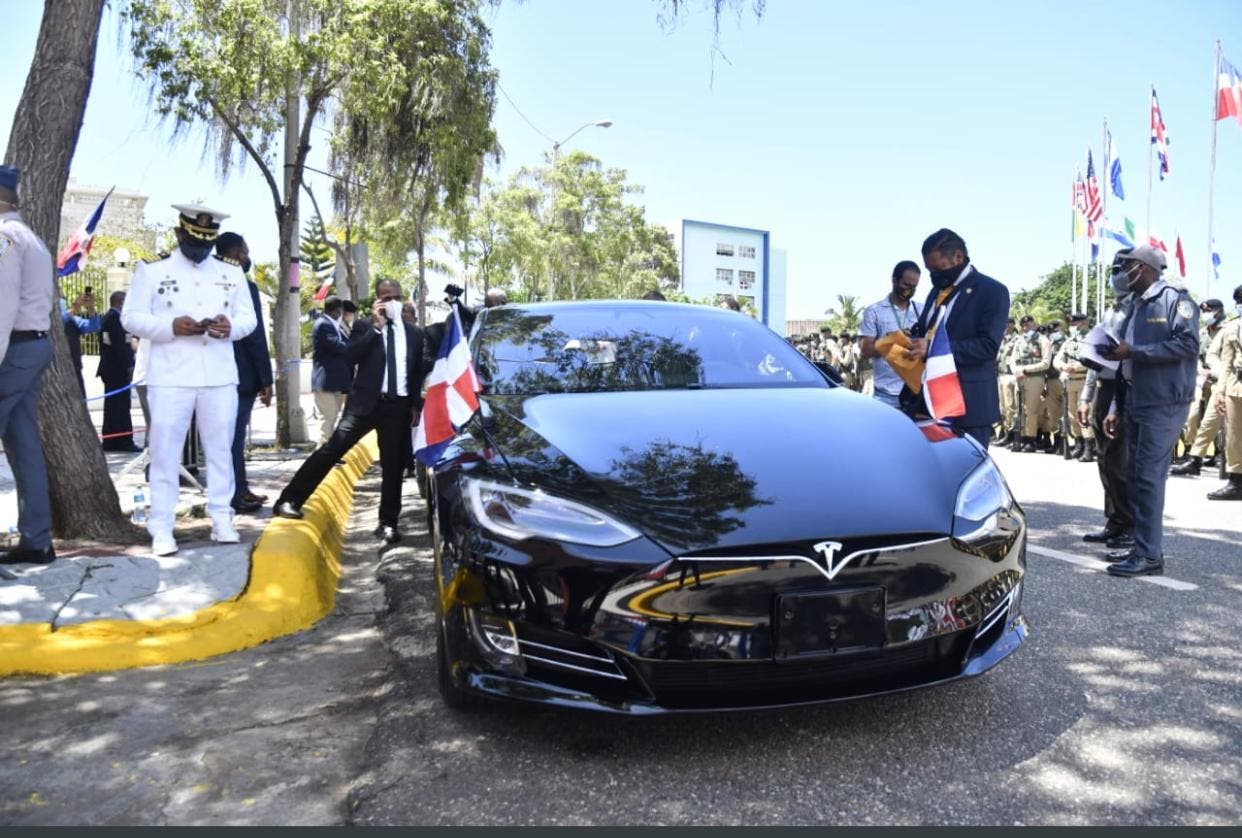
x=1118, y=542
x=122, y=449
x=387, y=534
x=247, y=507
x=1230, y=491
x=251, y=496
x=1119, y=556
x=287, y=509
x=1102, y=536
x=1137, y=566
x=28, y=555
x=1190, y=468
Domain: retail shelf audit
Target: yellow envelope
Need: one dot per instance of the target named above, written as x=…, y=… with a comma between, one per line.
x=892, y=348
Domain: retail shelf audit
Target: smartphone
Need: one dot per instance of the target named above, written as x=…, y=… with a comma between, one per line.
x=206, y=322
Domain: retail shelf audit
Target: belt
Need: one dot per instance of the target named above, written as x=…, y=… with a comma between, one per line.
x=387, y=398
x=17, y=336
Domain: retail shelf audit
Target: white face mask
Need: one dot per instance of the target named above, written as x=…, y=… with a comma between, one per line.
x=392, y=310
x=1054, y=336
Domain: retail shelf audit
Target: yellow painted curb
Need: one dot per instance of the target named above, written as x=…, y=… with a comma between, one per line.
x=293, y=574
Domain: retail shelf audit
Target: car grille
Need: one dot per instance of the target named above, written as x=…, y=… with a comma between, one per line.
x=739, y=683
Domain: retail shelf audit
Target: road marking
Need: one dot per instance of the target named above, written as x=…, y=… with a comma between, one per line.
x=1097, y=564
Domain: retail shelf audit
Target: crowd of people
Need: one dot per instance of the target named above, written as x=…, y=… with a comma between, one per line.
x=1125, y=400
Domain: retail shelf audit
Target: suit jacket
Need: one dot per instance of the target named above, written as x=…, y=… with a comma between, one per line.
x=331, y=372
x=254, y=360
x=976, y=327
x=366, y=352
x=116, y=357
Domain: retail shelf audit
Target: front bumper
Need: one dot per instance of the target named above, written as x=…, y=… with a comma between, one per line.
x=694, y=635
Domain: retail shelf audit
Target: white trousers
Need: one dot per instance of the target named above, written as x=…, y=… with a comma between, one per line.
x=171, y=410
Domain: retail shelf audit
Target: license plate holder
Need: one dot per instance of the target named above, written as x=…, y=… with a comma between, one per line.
x=820, y=623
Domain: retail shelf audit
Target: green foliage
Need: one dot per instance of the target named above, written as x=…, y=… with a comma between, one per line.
x=565, y=230
x=318, y=258
x=847, y=317
x=1052, y=298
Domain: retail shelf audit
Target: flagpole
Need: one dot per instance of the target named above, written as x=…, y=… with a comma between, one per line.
x=1207, y=292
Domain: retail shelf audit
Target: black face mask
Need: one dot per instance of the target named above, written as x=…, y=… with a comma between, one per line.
x=904, y=293
x=245, y=266
x=943, y=279
x=196, y=252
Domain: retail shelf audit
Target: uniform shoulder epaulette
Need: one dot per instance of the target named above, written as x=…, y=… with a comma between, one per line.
x=227, y=260
x=159, y=257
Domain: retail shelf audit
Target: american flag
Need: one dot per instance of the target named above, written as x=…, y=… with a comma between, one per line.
x=1159, y=135
x=1095, y=204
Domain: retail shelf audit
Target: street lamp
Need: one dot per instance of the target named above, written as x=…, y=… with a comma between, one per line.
x=599, y=123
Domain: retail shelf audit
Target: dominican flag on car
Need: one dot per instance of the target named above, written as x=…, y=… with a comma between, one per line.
x=72, y=256
x=451, y=395
x=941, y=389
x=1159, y=135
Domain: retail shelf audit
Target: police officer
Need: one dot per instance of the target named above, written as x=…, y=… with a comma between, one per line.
x=1204, y=422
x=26, y=295
x=1158, y=351
x=1032, y=356
x=191, y=307
x=1073, y=377
x=1007, y=385
x=1228, y=402
x=1054, y=392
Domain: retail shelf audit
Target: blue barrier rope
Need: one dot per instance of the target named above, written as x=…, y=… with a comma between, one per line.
x=113, y=392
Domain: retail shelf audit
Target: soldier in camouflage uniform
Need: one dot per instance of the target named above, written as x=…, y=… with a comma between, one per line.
x=1007, y=385
x=1073, y=376
x=1031, y=358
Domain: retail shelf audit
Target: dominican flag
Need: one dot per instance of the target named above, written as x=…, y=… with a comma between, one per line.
x=72, y=256
x=1181, y=257
x=1228, y=92
x=1159, y=135
x=1095, y=204
x=451, y=395
x=1157, y=242
x=941, y=389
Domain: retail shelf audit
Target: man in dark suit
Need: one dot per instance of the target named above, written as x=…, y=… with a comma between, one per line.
x=331, y=374
x=116, y=368
x=254, y=374
x=973, y=308
x=386, y=397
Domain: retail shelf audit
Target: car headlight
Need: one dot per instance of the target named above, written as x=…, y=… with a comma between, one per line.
x=983, y=517
x=518, y=513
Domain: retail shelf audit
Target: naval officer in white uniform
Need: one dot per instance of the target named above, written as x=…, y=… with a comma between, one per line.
x=191, y=307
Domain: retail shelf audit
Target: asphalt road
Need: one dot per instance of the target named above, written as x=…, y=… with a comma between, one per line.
x=1124, y=707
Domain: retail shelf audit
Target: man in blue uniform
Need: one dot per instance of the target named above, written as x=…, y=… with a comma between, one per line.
x=1158, y=350
x=116, y=368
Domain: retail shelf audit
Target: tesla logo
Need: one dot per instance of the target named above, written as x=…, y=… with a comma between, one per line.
x=829, y=550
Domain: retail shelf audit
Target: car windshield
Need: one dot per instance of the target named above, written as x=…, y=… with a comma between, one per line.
x=653, y=346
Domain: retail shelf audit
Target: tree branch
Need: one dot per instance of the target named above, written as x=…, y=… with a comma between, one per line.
x=254, y=155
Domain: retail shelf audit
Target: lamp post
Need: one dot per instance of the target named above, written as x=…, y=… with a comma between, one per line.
x=556, y=159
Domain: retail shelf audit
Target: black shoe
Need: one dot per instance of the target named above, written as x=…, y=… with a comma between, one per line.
x=287, y=509
x=1230, y=491
x=1138, y=566
x=122, y=449
x=1124, y=541
x=1119, y=556
x=1102, y=536
x=387, y=534
x=1190, y=468
x=1212, y=461
x=1028, y=445
x=251, y=496
x=28, y=555
x=247, y=507
x=1088, y=452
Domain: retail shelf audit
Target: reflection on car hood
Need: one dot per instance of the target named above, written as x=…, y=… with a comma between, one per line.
x=715, y=469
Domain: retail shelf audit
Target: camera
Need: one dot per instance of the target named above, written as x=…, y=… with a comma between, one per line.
x=453, y=292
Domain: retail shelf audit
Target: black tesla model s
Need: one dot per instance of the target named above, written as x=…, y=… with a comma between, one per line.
x=665, y=507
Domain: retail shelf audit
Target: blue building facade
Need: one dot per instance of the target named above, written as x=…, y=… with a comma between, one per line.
x=719, y=260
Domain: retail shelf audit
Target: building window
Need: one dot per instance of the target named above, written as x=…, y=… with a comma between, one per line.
x=725, y=275
x=745, y=251
x=745, y=279
x=727, y=249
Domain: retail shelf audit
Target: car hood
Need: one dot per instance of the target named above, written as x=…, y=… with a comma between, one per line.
x=699, y=470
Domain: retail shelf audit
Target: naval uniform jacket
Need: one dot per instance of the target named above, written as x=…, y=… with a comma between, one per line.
x=164, y=290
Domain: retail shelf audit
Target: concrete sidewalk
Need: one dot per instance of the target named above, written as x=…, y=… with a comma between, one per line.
x=104, y=589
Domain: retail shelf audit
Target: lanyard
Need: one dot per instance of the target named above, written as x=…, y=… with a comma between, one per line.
x=902, y=320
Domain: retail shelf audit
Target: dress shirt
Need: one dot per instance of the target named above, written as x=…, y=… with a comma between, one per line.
x=398, y=331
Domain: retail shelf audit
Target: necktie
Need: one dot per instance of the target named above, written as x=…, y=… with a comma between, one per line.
x=390, y=350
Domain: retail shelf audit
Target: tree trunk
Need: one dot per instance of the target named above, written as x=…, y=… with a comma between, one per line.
x=287, y=337
x=42, y=141
x=421, y=248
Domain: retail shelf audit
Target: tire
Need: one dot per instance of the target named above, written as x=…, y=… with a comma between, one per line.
x=454, y=697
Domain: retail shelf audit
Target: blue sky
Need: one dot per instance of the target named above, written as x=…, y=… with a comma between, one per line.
x=851, y=131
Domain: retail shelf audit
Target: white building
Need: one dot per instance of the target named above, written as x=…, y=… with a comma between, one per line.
x=719, y=260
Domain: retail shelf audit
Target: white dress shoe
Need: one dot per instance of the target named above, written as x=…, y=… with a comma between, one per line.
x=163, y=545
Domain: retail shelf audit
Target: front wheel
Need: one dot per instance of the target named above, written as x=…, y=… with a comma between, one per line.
x=453, y=696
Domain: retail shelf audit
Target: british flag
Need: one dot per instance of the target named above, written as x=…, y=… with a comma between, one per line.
x=1159, y=135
